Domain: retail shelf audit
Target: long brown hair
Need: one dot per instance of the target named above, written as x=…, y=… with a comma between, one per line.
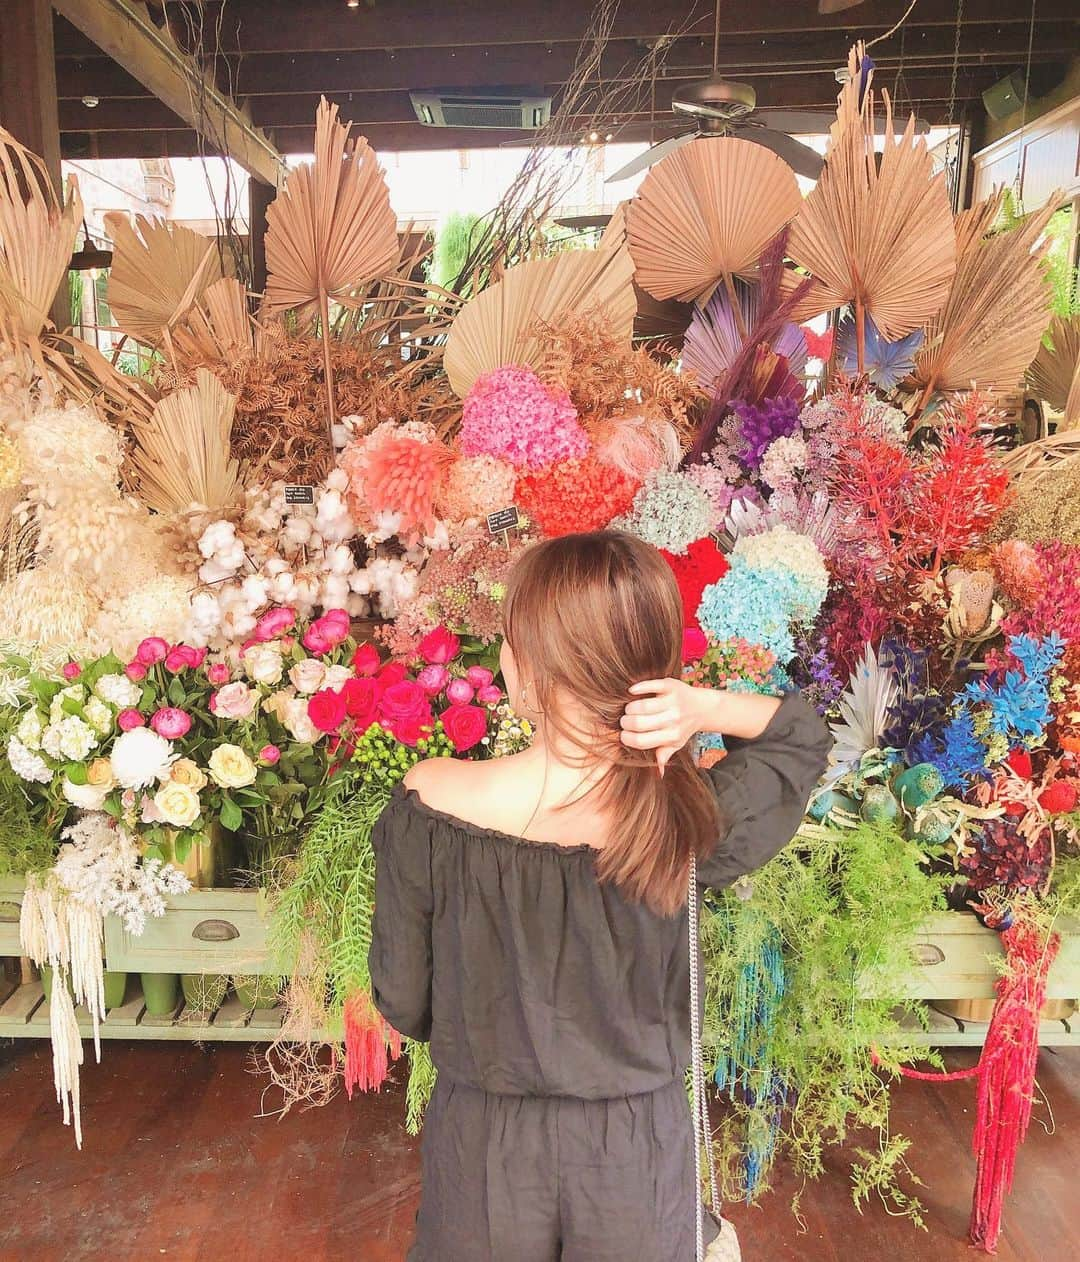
x=588, y=615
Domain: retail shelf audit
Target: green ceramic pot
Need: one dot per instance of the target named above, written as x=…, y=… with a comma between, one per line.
x=257, y=990
x=47, y=981
x=204, y=991
x=115, y=988
x=161, y=993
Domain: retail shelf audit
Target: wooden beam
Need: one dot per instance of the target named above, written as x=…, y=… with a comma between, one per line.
x=259, y=198
x=123, y=29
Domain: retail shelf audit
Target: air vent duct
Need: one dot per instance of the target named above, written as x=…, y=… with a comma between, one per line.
x=504, y=111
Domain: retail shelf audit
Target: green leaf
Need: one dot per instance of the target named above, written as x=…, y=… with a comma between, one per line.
x=154, y=851
x=182, y=845
x=231, y=815
x=176, y=691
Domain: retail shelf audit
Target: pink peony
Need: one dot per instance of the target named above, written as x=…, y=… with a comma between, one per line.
x=72, y=670
x=172, y=723
x=184, y=657
x=135, y=671
x=234, y=701
x=365, y=661
x=327, y=632
x=433, y=679
x=218, y=673
x=465, y=725
x=489, y=695
x=152, y=650
x=439, y=646
x=269, y=754
x=694, y=644
x=129, y=720
x=460, y=691
x=327, y=710
x=315, y=642
x=479, y=676
x=273, y=624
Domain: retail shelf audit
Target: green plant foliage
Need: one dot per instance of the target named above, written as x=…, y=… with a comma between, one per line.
x=422, y=1074
x=847, y=903
x=452, y=247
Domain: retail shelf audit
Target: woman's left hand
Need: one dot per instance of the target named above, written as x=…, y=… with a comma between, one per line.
x=664, y=715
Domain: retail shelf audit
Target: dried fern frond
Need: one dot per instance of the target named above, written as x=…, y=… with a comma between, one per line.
x=997, y=309
x=498, y=326
x=159, y=270
x=1055, y=371
x=880, y=237
x=182, y=453
x=37, y=235
x=705, y=214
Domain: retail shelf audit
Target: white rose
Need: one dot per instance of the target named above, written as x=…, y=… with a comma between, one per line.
x=177, y=804
x=336, y=676
x=263, y=664
x=30, y=727
x=140, y=757
x=118, y=691
x=296, y=721
x=231, y=768
x=307, y=676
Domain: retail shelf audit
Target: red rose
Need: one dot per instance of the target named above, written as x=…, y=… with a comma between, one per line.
x=365, y=661
x=439, y=646
x=694, y=644
x=361, y=701
x=391, y=673
x=465, y=725
x=326, y=709
x=404, y=700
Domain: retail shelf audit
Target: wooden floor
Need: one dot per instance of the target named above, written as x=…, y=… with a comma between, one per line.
x=176, y=1163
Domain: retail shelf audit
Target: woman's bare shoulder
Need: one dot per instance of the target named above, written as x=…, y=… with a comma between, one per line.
x=485, y=793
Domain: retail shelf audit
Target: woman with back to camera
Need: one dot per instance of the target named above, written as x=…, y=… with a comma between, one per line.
x=531, y=917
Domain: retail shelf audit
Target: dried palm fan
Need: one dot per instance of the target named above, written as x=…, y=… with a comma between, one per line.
x=877, y=236
x=158, y=270
x=997, y=308
x=1054, y=374
x=705, y=214
x=1031, y=462
x=330, y=229
x=37, y=236
x=182, y=453
x=496, y=327
x=218, y=326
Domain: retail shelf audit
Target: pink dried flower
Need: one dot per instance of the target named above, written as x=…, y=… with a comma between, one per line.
x=475, y=486
x=510, y=414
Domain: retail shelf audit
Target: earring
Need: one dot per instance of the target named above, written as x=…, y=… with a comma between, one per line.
x=525, y=698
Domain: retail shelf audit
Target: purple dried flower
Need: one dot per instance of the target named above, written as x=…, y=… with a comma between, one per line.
x=761, y=424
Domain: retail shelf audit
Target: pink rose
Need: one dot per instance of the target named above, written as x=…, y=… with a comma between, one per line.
x=460, y=691
x=269, y=754
x=489, y=695
x=479, y=676
x=433, y=679
x=365, y=661
x=315, y=642
x=171, y=723
x=274, y=623
x=234, y=701
x=129, y=720
x=152, y=650
x=218, y=673
x=439, y=646
x=183, y=657
x=72, y=670
x=135, y=671
x=465, y=725
x=694, y=644
x=326, y=709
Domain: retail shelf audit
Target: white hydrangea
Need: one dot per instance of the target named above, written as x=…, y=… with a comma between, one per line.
x=26, y=764
x=50, y=740
x=76, y=738
x=30, y=729
x=140, y=757
x=118, y=691
x=74, y=692
x=98, y=715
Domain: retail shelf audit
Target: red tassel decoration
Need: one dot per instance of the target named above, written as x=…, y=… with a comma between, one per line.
x=370, y=1045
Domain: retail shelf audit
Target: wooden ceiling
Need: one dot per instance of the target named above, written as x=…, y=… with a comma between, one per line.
x=278, y=56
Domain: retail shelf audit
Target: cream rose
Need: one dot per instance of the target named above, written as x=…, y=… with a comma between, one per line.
x=99, y=773
x=177, y=804
x=297, y=722
x=263, y=664
x=307, y=676
x=234, y=701
x=184, y=771
x=336, y=676
x=231, y=768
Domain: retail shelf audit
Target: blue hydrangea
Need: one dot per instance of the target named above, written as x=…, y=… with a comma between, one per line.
x=755, y=605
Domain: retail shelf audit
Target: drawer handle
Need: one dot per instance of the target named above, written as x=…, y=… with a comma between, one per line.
x=9, y=913
x=926, y=954
x=215, y=931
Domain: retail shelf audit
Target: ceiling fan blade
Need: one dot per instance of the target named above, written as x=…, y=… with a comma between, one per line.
x=796, y=122
x=651, y=156
x=801, y=158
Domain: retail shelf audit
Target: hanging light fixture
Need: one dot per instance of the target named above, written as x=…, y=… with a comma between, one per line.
x=88, y=258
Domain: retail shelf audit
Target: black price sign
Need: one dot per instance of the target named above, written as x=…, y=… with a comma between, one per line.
x=503, y=520
x=297, y=494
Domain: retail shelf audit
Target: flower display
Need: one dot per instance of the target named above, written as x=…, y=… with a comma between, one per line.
x=670, y=511
x=575, y=495
x=511, y=415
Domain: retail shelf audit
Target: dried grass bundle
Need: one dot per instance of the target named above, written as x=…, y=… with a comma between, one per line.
x=997, y=308
x=1055, y=371
x=37, y=235
x=705, y=214
x=496, y=328
x=182, y=455
x=158, y=271
x=880, y=237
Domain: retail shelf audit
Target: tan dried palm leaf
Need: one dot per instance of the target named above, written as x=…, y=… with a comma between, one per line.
x=1055, y=371
x=877, y=236
x=37, y=235
x=705, y=214
x=218, y=327
x=182, y=453
x=159, y=270
x=498, y=326
x=998, y=306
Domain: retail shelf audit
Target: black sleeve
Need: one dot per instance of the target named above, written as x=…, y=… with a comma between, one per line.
x=400, y=956
x=763, y=786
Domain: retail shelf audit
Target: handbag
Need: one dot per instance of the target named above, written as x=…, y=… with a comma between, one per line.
x=725, y=1248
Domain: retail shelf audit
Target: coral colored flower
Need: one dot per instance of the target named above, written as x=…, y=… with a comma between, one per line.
x=479, y=676
x=433, y=679
x=326, y=709
x=1059, y=797
x=489, y=694
x=474, y=486
x=135, y=671
x=273, y=624
x=152, y=650
x=171, y=722
x=575, y=495
x=512, y=415
x=465, y=725
x=439, y=646
x=365, y=661
x=269, y=755
x=1020, y=761
x=128, y=720
x=694, y=644
x=401, y=477
x=218, y=673
x=72, y=670
x=460, y=691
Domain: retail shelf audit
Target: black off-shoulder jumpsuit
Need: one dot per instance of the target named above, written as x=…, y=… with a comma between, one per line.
x=558, y=1017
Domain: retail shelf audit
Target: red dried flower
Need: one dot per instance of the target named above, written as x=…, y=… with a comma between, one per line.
x=575, y=495
x=702, y=564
